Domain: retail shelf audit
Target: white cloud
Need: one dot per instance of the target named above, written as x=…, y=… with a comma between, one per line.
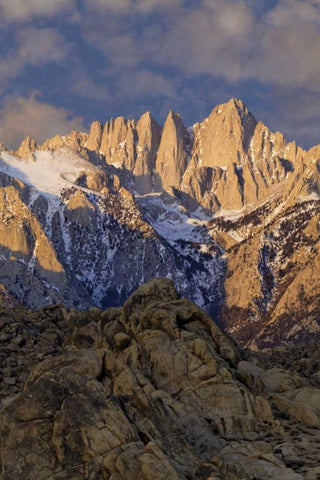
x=286, y=56
x=228, y=39
x=294, y=12
x=145, y=83
x=116, y=5
x=213, y=39
x=43, y=45
x=149, y=5
x=86, y=86
x=21, y=10
x=130, y=6
x=20, y=117
x=35, y=46
x=124, y=51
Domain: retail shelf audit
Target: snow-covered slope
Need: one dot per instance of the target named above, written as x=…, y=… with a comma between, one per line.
x=50, y=171
x=107, y=242
x=171, y=220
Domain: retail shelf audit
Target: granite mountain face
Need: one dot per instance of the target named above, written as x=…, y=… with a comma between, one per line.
x=227, y=209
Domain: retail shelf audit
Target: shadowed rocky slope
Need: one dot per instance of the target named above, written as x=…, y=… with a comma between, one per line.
x=155, y=390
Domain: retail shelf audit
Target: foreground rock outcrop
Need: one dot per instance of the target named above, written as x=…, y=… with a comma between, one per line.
x=155, y=390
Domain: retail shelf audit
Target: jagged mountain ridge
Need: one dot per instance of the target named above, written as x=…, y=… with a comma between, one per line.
x=228, y=161
x=189, y=203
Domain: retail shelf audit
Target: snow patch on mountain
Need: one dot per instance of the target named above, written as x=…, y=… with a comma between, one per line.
x=171, y=220
x=50, y=172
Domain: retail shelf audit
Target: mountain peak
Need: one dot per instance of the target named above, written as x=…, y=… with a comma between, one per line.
x=234, y=105
x=236, y=102
x=94, y=139
x=171, y=159
x=146, y=114
x=225, y=135
x=172, y=115
x=27, y=147
x=147, y=119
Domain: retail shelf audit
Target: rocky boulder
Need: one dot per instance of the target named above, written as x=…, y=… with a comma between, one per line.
x=148, y=391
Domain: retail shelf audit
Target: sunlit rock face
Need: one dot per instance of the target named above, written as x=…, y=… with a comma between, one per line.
x=148, y=134
x=172, y=154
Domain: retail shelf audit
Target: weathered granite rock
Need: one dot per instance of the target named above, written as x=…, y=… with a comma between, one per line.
x=278, y=380
x=157, y=400
x=248, y=461
x=296, y=410
x=152, y=390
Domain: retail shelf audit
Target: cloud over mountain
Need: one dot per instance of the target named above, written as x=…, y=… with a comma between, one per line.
x=40, y=119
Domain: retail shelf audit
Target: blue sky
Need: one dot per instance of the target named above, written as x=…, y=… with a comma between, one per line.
x=65, y=63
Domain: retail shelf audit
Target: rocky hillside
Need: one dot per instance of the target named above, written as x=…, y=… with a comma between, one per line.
x=151, y=390
x=228, y=209
x=273, y=285
x=70, y=233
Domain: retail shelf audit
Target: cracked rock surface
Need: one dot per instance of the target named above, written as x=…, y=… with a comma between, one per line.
x=155, y=390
